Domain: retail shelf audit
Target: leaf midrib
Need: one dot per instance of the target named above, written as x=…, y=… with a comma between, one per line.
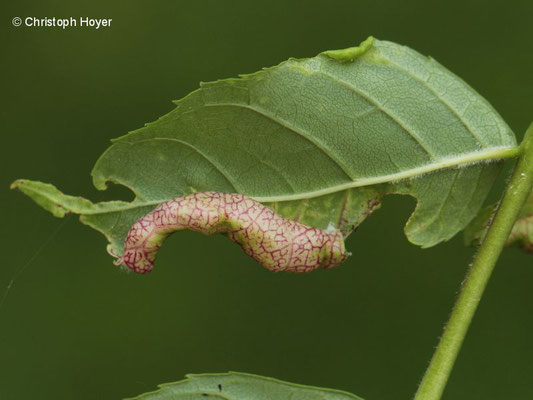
x=488, y=155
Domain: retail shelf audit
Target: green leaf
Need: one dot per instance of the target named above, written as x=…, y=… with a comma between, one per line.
x=239, y=386
x=320, y=140
x=521, y=235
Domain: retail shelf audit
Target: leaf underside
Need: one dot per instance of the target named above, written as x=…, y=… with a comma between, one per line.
x=521, y=235
x=239, y=386
x=321, y=140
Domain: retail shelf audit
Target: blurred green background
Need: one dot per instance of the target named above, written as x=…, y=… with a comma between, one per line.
x=73, y=326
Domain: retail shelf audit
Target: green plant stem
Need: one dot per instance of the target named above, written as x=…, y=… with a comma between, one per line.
x=516, y=194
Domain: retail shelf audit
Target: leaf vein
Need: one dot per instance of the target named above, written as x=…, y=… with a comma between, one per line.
x=291, y=128
x=381, y=107
x=212, y=162
x=444, y=101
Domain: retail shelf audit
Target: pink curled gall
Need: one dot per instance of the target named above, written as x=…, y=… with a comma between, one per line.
x=277, y=243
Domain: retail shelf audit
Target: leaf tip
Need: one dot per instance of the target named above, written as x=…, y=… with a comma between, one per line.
x=17, y=184
x=42, y=194
x=351, y=53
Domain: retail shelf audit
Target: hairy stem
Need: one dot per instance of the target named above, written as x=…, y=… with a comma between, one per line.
x=516, y=194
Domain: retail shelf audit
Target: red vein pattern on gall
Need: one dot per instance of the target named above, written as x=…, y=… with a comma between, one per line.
x=277, y=243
